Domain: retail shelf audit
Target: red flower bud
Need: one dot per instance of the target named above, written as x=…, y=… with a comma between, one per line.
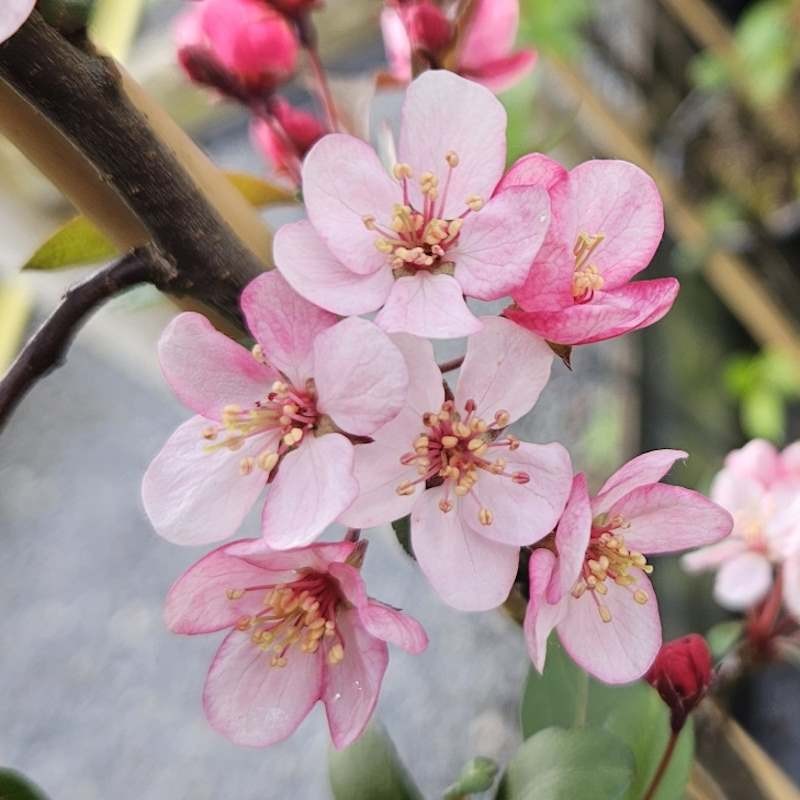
x=681, y=674
x=428, y=28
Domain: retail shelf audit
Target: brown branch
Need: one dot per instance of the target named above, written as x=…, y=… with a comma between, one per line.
x=48, y=347
x=449, y=366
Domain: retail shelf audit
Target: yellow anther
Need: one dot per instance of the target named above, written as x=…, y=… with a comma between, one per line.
x=421, y=442
x=461, y=490
x=246, y=466
x=267, y=461
x=279, y=387
x=601, y=588
x=605, y=614
x=278, y=661
x=640, y=597
x=405, y=488
x=579, y=589
x=449, y=441
x=445, y=505
x=513, y=442
x=234, y=594
x=485, y=516
x=258, y=353
x=244, y=623
x=209, y=433
x=451, y=158
x=336, y=654
x=402, y=171
x=502, y=418
x=383, y=246
x=454, y=228
x=474, y=202
x=293, y=436
x=369, y=222
x=475, y=444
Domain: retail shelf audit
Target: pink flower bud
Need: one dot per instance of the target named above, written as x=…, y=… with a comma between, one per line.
x=428, y=28
x=681, y=674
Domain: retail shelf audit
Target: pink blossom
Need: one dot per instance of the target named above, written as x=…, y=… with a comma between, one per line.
x=413, y=243
x=485, y=53
x=12, y=14
x=761, y=488
x=475, y=493
x=590, y=582
x=607, y=221
x=283, y=415
x=301, y=629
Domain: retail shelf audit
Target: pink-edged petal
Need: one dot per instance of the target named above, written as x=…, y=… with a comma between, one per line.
x=12, y=14
x=498, y=244
x=314, y=485
x=607, y=315
x=758, y=460
x=317, y=557
x=743, y=581
x=791, y=585
x=254, y=704
x=503, y=73
x=195, y=497
x=523, y=513
x=361, y=377
x=284, y=324
x=572, y=539
x=468, y=571
x=351, y=687
x=344, y=182
x=640, y=471
x=534, y=169
x=315, y=273
x=207, y=370
x=623, y=649
x=444, y=112
x=620, y=201
x=665, y=519
x=736, y=492
x=713, y=556
x=397, y=44
x=491, y=32
x=540, y=616
x=428, y=305
x=505, y=369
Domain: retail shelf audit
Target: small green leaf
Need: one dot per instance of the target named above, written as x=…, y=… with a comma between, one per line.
x=477, y=776
x=402, y=530
x=764, y=415
x=369, y=769
x=259, y=192
x=581, y=764
x=14, y=786
x=75, y=243
x=723, y=636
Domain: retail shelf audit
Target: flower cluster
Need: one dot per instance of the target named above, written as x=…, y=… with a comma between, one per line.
x=335, y=418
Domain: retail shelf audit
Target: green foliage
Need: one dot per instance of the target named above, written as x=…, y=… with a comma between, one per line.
x=74, y=244
x=477, y=776
x=580, y=764
x=370, y=768
x=14, y=786
x=554, y=26
x=402, y=530
x=723, y=636
x=67, y=16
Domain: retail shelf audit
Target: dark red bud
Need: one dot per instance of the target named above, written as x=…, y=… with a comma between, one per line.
x=428, y=28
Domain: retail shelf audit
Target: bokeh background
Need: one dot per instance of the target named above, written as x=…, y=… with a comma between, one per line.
x=97, y=700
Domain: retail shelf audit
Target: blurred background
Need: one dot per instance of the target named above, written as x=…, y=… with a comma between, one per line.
x=97, y=700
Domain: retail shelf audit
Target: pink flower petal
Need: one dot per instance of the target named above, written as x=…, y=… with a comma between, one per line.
x=572, y=538
x=743, y=581
x=641, y=471
x=12, y=14
x=523, y=513
x=194, y=497
x=503, y=73
x=314, y=485
x=344, y=182
x=254, y=704
x=505, y=369
x=619, y=651
x=425, y=390
x=284, y=324
x=361, y=377
x=713, y=556
x=397, y=44
x=758, y=460
x=791, y=585
x=207, y=370
x=317, y=557
x=351, y=688
x=607, y=315
x=534, y=169
x=498, y=244
x=444, y=112
x=468, y=571
x=316, y=274
x=491, y=32
x=665, y=519
x=736, y=492
x=790, y=462
x=427, y=305
x=540, y=615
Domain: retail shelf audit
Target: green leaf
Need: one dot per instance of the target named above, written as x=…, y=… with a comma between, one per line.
x=66, y=16
x=764, y=415
x=581, y=764
x=402, y=530
x=75, y=243
x=477, y=776
x=723, y=636
x=369, y=769
x=14, y=786
x=259, y=192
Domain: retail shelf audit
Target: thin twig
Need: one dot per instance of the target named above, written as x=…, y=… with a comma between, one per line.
x=453, y=363
x=662, y=766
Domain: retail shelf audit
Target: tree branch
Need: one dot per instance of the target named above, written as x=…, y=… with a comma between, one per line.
x=47, y=349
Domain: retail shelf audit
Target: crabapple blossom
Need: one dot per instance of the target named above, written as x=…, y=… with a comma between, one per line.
x=283, y=414
x=761, y=488
x=412, y=243
x=301, y=629
x=607, y=221
x=475, y=493
x=484, y=52
x=590, y=581
x=13, y=14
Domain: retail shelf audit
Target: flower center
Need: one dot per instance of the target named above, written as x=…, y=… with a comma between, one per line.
x=454, y=450
x=586, y=279
x=301, y=613
x=606, y=559
x=418, y=239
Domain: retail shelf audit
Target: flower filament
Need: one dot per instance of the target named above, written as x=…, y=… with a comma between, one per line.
x=586, y=279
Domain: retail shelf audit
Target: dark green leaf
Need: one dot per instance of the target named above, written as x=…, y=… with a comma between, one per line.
x=477, y=776
x=402, y=530
x=66, y=16
x=14, y=786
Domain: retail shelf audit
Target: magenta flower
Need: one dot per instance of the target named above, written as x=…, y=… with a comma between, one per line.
x=607, y=222
x=414, y=243
x=302, y=629
x=761, y=488
x=475, y=493
x=281, y=415
x=485, y=53
x=12, y=14
x=590, y=583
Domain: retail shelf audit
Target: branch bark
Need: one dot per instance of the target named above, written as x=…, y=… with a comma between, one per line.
x=47, y=349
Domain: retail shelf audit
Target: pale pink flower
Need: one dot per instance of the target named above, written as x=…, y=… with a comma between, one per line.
x=761, y=488
x=590, y=583
x=280, y=415
x=475, y=493
x=302, y=629
x=485, y=53
x=12, y=14
x=413, y=243
x=607, y=222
